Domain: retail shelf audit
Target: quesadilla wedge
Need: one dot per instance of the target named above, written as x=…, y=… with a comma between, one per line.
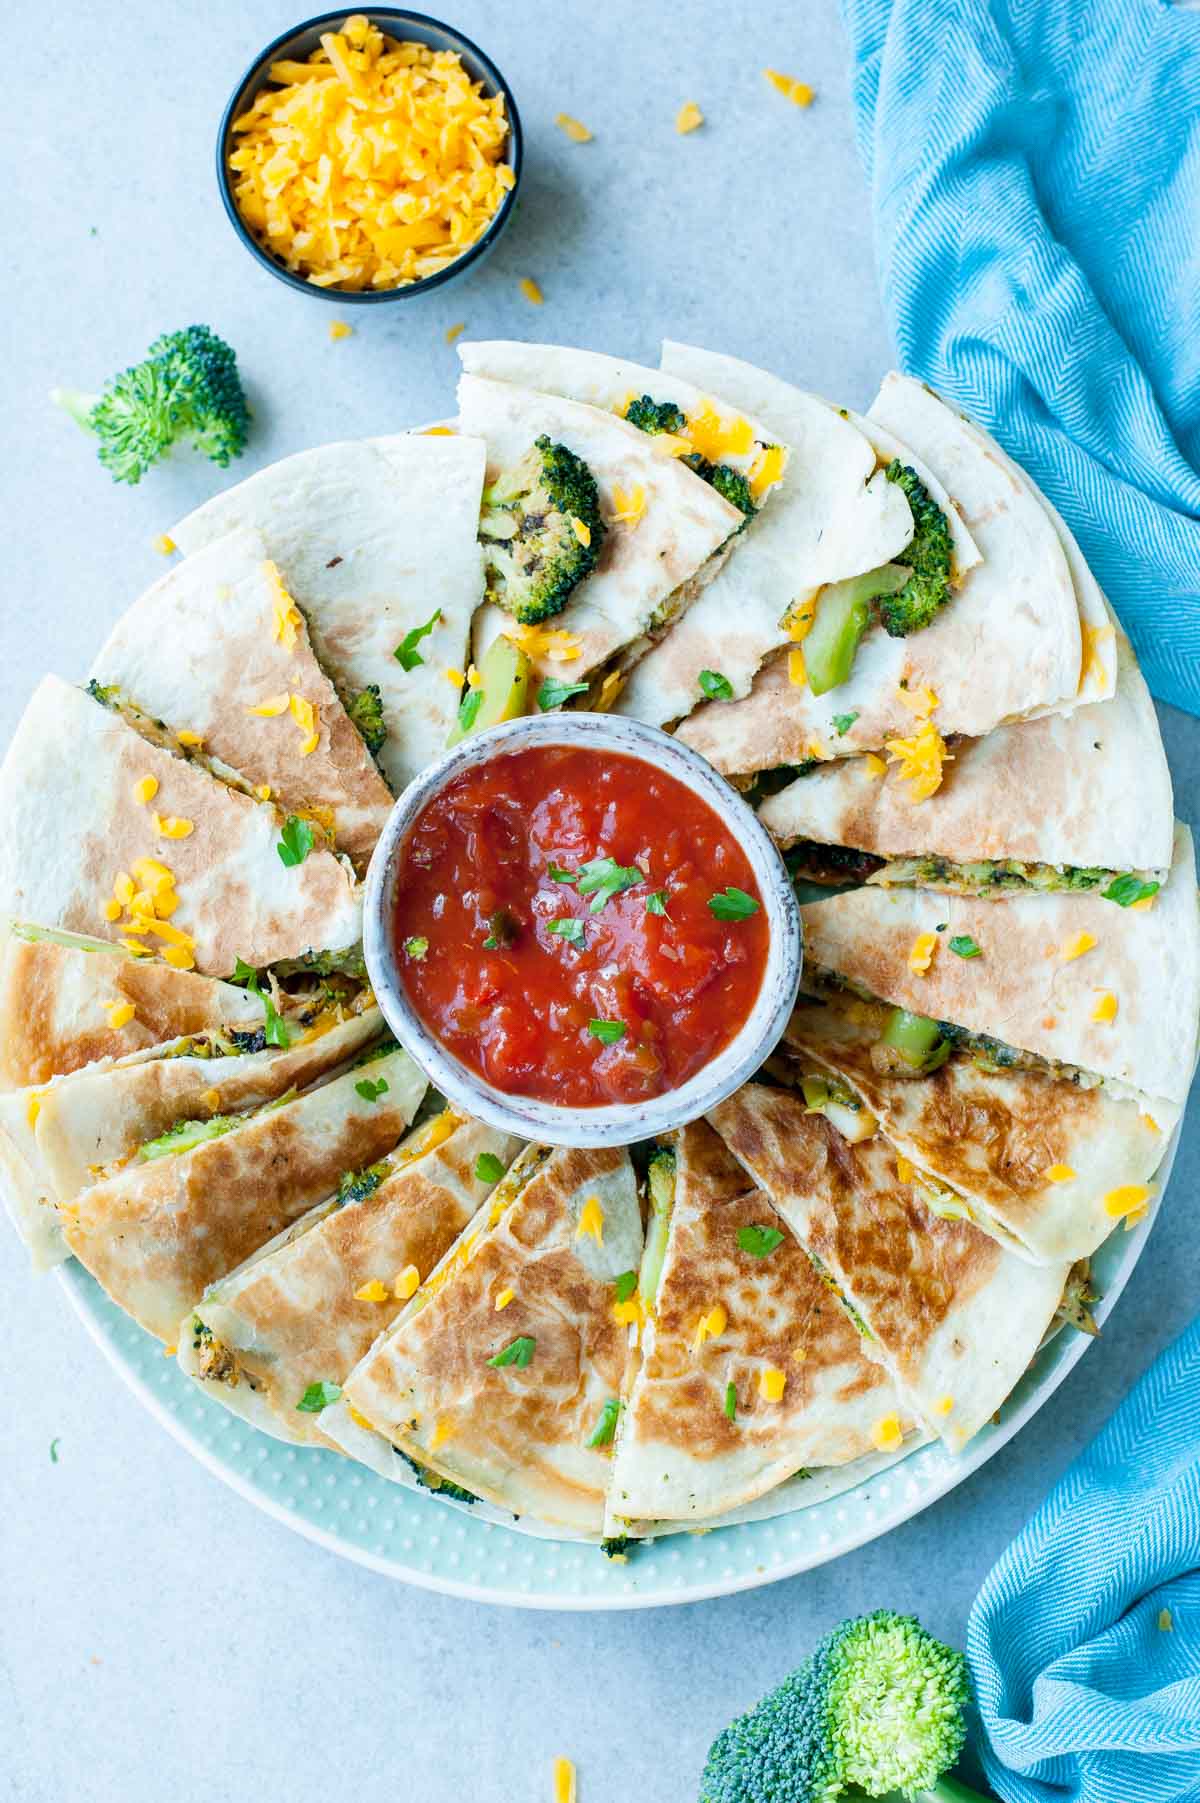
x=217, y=648
x=840, y=512
x=1067, y=801
x=749, y=1369
x=157, y=1234
x=504, y=1373
x=376, y=540
x=1029, y=1157
x=654, y=539
x=1078, y=985
x=1008, y=644
x=61, y=993
x=79, y=839
x=294, y=1320
x=954, y=1317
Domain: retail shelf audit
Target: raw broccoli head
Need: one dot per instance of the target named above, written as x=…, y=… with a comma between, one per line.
x=930, y=557
x=541, y=531
x=730, y=484
x=366, y=711
x=879, y=1706
x=649, y=415
x=186, y=386
x=356, y=1186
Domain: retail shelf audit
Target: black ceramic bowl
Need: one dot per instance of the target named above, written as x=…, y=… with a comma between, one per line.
x=298, y=45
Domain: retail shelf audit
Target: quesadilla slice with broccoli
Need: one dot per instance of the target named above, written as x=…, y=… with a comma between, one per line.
x=1067, y=801
x=377, y=544
x=179, y=1216
x=749, y=1369
x=113, y=837
x=954, y=1317
x=503, y=1375
x=595, y=538
x=276, y=1339
x=947, y=651
x=218, y=650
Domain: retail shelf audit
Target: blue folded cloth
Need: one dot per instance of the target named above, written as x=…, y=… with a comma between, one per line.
x=1084, y=1643
x=1035, y=176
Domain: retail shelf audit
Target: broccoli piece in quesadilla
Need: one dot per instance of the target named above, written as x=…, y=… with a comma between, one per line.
x=929, y=556
x=541, y=531
x=441, y=1486
x=356, y=1186
x=730, y=484
x=366, y=712
x=649, y=415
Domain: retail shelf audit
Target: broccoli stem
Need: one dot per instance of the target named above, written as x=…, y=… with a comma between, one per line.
x=951, y=1790
x=913, y=1036
x=843, y=615
x=78, y=404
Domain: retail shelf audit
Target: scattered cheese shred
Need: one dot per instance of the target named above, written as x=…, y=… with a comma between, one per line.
x=212, y=1100
x=1058, y=1173
x=629, y=507
x=922, y=701
x=263, y=791
x=1093, y=664
x=442, y=1431
x=874, y=764
x=797, y=670
x=179, y=957
x=944, y=1405
x=504, y=1297
x=1148, y=1120
x=610, y=688
x=304, y=713
x=552, y=643
x=135, y=946
x=591, y=1220
x=766, y=469
x=173, y=826
x=120, y=1014
x=455, y=331
x=920, y=952
x=455, y=678
x=671, y=444
x=112, y=909
x=564, y=1781
x=123, y=888
x=1144, y=905
x=887, y=1433
x=271, y=707
x=920, y=759
x=474, y=679
x=582, y=531
x=285, y=615
x=573, y=128
x=628, y=1313
x=688, y=118
x=33, y=1108
x=165, y=543
x=1075, y=948
x=145, y=789
x=906, y=1170
x=1126, y=1198
x=190, y=739
x=375, y=1291
x=373, y=164
x=771, y=1383
x=531, y=291
x=710, y=1326
x=340, y=328
x=798, y=621
x=798, y=92
x=1106, y=1008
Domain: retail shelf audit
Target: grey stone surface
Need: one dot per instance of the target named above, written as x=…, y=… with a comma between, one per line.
x=157, y=1635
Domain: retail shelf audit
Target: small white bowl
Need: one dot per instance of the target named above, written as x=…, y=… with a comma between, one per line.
x=618, y=1123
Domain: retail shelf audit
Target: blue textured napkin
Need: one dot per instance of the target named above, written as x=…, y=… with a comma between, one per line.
x=1035, y=173
x=1084, y=1642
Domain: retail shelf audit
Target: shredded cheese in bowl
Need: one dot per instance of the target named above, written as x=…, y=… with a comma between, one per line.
x=372, y=165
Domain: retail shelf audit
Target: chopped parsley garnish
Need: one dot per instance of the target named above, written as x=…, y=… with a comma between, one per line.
x=406, y=653
x=1125, y=890
x=558, y=873
x=731, y=1401
x=607, y=1031
x=468, y=707
x=275, y=1030
x=416, y=948
x=716, y=686
x=371, y=1092
x=553, y=694
x=518, y=1352
x=732, y=904
x=295, y=841
x=568, y=929
x=488, y=1168
x=504, y=930
x=759, y=1241
x=625, y=1285
x=54, y=1445
x=602, y=878
x=318, y=1397
x=843, y=722
x=964, y=946
x=657, y=902
x=606, y=1426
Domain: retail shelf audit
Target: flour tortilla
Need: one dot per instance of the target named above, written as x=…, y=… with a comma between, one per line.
x=663, y=554
x=955, y=1317
x=1007, y=645
x=200, y=651
x=678, y=1455
x=835, y=515
x=57, y=989
x=289, y=1317
x=374, y=538
x=517, y=1436
x=57, y=1140
x=1022, y=989
x=157, y=1235
x=991, y=1137
x=71, y=824
x=1089, y=789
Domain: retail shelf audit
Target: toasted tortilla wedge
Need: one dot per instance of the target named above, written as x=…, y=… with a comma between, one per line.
x=157, y=1235
x=517, y=1433
x=1064, y=795
x=651, y=567
x=72, y=824
x=374, y=539
x=290, y=1316
x=992, y=1137
x=58, y=990
x=57, y=1140
x=955, y=1317
x=216, y=637
x=834, y=515
x=684, y=1452
x=1007, y=645
x=1037, y=981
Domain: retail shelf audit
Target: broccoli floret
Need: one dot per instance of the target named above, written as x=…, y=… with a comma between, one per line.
x=356, y=1186
x=107, y=694
x=617, y=1546
x=541, y=531
x=879, y=1706
x=649, y=415
x=730, y=484
x=186, y=386
x=250, y=1041
x=929, y=555
x=441, y=1486
x=366, y=712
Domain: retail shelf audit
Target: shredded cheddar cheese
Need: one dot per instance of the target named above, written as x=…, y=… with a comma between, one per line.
x=628, y=1313
x=442, y=1431
x=671, y=444
x=373, y=164
x=688, y=118
x=120, y=1014
x=1106, y=1008
x=173, y=826
x=285, y=615
x=340, y=328
x=190, y=739
x=1148, y=1120
x=123, y=888
x=375, y=1291
x=944, y=1405
x=766, y=469
x=798, y=621
x=920, y=759
x=887, y=1433
x=798, y=92
x=610, y=688
x=1126, y=1198
x=1092, y=664
x=455, y=678
x=771, y=1383
x=304, y=713
x=263, y=791
x=710, y=1326
x=1058, y=1173
x=1075, y=948
x=572, y=128
x=564, y=1781
x=112, y=909
x=716, y=437
x=582, y=531
x=212, y=1100
x=455, y=331
x=531, y=291
x=591, y=1220
x=552, y=643
x=630, y=507
x=920, y=952
x=922, y=701
x=33, y=1108
x=145, y=789
x=906, y=1170
x=179, y=957
x=272, y=706
x=165, y=544
x=504, y=1297
x=874, y=764
x=797, y=670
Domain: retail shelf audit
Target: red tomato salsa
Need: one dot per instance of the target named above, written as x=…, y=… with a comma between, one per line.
x=577, y=926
